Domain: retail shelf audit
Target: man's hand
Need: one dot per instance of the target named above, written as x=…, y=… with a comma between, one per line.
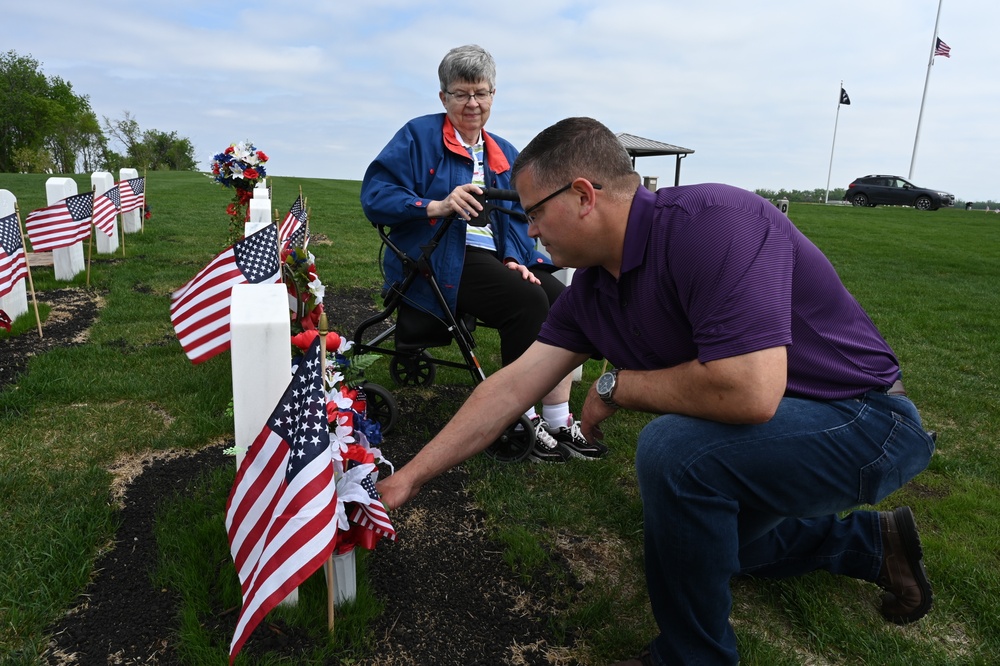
x=595, y=412
x=395, y=491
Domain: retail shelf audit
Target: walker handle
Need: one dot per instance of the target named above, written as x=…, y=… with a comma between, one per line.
x=496, y=194
x=500, y=195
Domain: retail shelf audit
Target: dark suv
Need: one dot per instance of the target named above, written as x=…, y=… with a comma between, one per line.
x=895, y=191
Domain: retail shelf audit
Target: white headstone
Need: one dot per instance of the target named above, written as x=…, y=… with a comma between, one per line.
x=260, y=329
x=132, y=220
x=15, y=302
x=102, y=181
x=260, y=190
x=67, y=261
x=260, y=216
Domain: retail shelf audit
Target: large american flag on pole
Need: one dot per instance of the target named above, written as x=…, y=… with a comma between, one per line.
x=200, y=309
x=106, y=207
x=13, y=263
x=281, y=513
x=132, y=193
x=942, y=49
x=295, y=220
x=62, y=224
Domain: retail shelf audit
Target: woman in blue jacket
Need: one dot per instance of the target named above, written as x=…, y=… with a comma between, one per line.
x=431, y=169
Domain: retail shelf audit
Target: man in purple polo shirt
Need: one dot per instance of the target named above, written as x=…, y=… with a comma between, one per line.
x=780, y=404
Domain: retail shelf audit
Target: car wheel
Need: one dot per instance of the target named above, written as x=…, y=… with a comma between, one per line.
x=859, y=200
x=923, y=203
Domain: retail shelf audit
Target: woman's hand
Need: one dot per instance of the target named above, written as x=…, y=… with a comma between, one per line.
x=461, y=203
x=523, y=270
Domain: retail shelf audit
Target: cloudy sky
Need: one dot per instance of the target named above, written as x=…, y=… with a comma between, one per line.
x=752, y=88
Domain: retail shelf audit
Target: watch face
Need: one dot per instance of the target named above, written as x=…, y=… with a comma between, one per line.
x=605, y=383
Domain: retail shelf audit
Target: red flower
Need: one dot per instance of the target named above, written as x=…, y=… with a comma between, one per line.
x=231, y=210
x=304, y=339
x=261, y=156
x=250, y=173
x=230, y=150
x=359, y=454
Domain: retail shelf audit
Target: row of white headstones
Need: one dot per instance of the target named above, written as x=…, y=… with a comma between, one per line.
x=260, y=326
x=68, y=262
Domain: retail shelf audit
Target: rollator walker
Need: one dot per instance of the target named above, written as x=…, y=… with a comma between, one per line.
x=415, y=329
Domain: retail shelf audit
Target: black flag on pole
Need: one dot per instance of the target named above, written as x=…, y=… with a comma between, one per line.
x=844, y=99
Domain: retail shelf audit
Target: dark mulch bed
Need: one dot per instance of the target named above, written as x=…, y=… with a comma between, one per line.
x=449, y=597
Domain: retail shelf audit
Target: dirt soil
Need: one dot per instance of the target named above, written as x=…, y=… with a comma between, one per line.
x=448, y=595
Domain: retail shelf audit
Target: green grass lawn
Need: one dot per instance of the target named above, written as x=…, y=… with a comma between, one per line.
x=928, y=279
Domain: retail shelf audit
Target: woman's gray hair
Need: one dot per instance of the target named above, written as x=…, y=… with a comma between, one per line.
x=468, y=64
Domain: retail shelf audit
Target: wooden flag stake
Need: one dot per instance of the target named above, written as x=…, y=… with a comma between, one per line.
x=145, y=202
x=328, y=568
x=27, y=264
x=90, y=243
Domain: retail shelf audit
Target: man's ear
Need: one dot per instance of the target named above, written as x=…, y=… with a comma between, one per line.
x=587, y=195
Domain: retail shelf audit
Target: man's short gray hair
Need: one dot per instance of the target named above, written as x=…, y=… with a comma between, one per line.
x=467, y=64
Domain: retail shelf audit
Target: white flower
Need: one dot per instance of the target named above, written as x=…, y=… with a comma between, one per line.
x=342, y=435
x=317, y=289
x=349, y=489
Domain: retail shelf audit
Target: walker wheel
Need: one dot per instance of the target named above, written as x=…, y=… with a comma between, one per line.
x=416, y=370
x=515, y=443
x=382, y=407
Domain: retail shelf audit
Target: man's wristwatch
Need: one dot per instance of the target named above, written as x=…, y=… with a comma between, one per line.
x=606, y=385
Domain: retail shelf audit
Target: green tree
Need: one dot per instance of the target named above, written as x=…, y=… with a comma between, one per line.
x=149, y=149
x=42, y=115
x=24, y=107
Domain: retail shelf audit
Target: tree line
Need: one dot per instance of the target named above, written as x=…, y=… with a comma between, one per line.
x=46, y=127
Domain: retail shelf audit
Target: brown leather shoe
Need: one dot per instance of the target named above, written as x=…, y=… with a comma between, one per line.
x=644, y=659
x=908, y=594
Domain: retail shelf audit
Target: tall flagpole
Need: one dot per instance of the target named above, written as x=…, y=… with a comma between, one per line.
x=840, y=103
x=920, y=117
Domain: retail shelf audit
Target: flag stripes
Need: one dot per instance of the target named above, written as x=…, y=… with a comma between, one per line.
x=132, y=193
x=199, y=310
x=295, y=220
x=13, y=261
x=62, y=224
x=106, y=207
x=281, y=512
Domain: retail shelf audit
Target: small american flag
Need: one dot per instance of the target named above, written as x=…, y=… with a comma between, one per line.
x=62, y=224
x=942, y=49
x=13, y=263
x=200, y=309
x=5, y=322
x=106, y=207
x=132, y=193
x=295, y=220
x=281, y=513
x=373, y=515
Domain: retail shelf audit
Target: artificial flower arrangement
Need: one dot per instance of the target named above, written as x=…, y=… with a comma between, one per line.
x=354, y=437
x=241, y=167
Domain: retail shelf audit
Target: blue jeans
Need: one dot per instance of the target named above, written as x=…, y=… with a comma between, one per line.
x=721, y=500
